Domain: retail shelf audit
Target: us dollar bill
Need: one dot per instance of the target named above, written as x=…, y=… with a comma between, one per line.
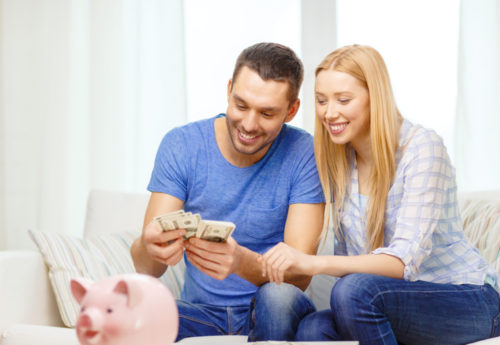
x=215, y=231
x=210, y=230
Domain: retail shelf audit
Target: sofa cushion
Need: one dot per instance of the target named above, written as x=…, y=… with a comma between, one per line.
x=95, y=258
x=481, y=222
x=111, y=212
x=24, y=334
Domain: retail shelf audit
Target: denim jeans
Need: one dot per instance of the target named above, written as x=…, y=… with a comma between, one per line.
x=380, y=310
x=274, y=314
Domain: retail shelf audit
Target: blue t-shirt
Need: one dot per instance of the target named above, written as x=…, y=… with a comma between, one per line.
x=190, y=166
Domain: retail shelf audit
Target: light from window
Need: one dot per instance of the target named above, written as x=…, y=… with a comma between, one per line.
x=419, y=43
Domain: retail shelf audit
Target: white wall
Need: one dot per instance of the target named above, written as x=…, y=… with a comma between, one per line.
x=319, y=37
x=2, y=142
x=36, y=131
x=88, y=88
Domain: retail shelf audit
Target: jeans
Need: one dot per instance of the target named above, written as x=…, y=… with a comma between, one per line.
x=380, y=310
x=274, y=314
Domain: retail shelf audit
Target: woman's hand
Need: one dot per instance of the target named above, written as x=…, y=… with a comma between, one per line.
x=281, y=259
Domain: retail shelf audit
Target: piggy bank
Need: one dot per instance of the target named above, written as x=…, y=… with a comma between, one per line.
x=129, y=309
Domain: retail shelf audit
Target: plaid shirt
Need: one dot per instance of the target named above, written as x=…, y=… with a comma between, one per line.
x=423, y=226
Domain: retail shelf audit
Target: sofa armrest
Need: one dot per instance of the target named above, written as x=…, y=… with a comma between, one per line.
x=25, y=292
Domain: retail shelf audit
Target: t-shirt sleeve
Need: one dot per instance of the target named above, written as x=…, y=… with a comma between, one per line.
x=306, y=186
x=169, y=171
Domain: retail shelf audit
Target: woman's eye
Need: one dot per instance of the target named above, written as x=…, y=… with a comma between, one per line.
x=344, y=100
x=321, y=101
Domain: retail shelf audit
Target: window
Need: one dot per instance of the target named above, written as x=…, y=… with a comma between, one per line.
x=217, y=31
x=419, y=43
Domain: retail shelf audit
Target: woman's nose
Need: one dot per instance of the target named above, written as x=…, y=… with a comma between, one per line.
x=331, y=112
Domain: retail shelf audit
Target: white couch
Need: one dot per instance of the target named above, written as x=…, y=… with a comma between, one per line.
x=29, y=314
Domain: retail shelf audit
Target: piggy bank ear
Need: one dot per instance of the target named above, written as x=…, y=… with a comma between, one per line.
x=79, y=288
x=130, y=290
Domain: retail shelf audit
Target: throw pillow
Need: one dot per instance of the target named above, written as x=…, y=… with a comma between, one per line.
x=94, y=257
x=481, y=221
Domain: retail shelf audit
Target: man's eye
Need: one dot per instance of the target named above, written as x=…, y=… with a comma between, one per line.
x=267, y=114
x=241, y=106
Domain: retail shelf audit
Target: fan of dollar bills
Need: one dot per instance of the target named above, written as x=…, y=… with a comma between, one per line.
x=210, y=230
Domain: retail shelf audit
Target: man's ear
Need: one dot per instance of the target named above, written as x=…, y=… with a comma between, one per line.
x=292, y=110
x=229, y=88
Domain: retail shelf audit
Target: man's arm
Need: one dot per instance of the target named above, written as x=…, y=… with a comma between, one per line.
x=218, y=260
x=302, y=232
x=151, y=252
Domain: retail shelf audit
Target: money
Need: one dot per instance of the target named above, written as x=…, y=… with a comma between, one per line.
x=210, y=230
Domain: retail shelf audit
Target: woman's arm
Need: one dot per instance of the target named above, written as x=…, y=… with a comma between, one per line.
x=283, y=258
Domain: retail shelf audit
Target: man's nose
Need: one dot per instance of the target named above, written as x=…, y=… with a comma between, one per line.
x=251, y=122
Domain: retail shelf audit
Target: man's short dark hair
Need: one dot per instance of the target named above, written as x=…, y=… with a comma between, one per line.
x=273, y=61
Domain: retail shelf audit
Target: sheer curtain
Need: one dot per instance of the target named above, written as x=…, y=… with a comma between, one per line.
x=87, y=89
x=478, y=103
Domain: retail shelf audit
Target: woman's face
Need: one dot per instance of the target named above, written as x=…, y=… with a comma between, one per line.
x=343, y=106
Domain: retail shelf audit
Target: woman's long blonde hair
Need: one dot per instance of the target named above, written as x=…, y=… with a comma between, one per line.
x=366, y=65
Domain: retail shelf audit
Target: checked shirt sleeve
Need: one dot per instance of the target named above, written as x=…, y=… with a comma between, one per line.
x=423, y=182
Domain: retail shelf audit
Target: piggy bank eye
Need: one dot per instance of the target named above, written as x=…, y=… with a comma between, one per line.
x=109, y=310
x=82, y=309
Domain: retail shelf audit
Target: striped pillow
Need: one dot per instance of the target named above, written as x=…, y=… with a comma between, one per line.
x=95, y=258
x=481, y=220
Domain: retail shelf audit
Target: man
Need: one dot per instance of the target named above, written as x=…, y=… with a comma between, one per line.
x=250, y=168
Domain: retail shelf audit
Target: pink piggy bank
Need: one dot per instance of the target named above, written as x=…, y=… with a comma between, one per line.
x=129, y=309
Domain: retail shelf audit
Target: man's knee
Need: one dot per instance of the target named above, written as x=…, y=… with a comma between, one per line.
x=317, y=326
x=279, y=297
x=277, y=311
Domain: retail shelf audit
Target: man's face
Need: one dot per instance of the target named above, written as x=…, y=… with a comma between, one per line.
x=256, y=112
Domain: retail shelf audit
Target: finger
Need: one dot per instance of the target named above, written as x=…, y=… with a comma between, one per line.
x=196, y=261
x=270, y=262
x=176, y=258
x=165, y=251
x=269, y=253
x=202, y=255
x=279, y=268
x=260, y=260
x=171, y=235
x=152, y=230
x=209, y=246
x=206, y=264
x=265, y=259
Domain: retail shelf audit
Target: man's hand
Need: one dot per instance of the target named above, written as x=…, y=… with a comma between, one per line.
x=166, y=247
x=218, y=260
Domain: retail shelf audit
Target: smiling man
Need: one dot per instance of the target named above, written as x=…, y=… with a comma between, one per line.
x=250, y=167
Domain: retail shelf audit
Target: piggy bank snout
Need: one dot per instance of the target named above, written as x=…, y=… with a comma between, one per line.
x=130, y=309
x=90, y=319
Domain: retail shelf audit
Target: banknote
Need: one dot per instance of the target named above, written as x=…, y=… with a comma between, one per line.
x=215, y=231
x=210, y=230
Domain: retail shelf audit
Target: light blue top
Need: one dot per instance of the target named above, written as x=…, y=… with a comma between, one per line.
x=190, y=166
x=423, y=226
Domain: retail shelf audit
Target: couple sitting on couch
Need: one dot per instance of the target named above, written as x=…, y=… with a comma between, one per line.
x=407, y=272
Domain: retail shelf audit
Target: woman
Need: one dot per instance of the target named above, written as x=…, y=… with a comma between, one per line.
x=408, y=274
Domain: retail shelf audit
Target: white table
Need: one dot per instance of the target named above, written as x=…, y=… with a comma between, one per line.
x=242, y=339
